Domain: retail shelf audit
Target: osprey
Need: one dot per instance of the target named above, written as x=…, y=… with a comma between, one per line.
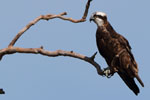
x=116, y=51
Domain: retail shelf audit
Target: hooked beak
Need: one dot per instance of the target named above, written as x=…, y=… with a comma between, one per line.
x=91, y=18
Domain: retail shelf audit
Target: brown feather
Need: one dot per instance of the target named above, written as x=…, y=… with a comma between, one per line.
x=109, y=44
x=129, y=82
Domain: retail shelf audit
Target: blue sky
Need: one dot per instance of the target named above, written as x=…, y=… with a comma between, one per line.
x=36, y=77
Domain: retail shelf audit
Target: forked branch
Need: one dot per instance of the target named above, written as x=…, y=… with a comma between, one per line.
x=48, y=17
x=11, y=49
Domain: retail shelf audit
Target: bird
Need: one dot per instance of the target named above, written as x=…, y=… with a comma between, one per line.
x=116, y=51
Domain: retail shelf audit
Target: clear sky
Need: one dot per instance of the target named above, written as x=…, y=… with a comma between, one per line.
x=36, y=77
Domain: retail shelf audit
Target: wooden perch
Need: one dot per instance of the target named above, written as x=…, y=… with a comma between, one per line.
x=11, y=49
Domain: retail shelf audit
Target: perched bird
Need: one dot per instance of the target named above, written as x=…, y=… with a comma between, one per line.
x=116, y=51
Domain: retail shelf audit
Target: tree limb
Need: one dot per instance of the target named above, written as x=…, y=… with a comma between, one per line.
x=12, y=50
x=48, y=17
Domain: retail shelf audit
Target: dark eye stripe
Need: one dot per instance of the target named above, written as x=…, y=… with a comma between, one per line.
x=102, y=17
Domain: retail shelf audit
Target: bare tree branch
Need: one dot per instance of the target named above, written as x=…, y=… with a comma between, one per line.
x=86, y=10
x=48, y=17
x=12, y=50
x=44, y=17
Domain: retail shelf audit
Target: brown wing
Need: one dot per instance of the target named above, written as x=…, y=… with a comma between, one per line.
x=129, y=81
x=126, y=73
x=128, y=68
x=134, y=66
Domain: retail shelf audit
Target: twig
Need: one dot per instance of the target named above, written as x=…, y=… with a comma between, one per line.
x=93, y=56
x=2, y=91
x=86, y=9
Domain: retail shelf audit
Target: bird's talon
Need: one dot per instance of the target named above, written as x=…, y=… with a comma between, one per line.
x=107, y=72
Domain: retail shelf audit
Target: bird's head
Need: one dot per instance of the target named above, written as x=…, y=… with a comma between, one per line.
x=100, y=18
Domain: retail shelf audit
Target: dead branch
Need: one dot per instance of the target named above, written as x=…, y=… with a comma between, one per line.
x=48, y=17
x=12, y=50
x=2, y=91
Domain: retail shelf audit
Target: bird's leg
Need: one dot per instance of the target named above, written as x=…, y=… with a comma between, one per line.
x=109, y=71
